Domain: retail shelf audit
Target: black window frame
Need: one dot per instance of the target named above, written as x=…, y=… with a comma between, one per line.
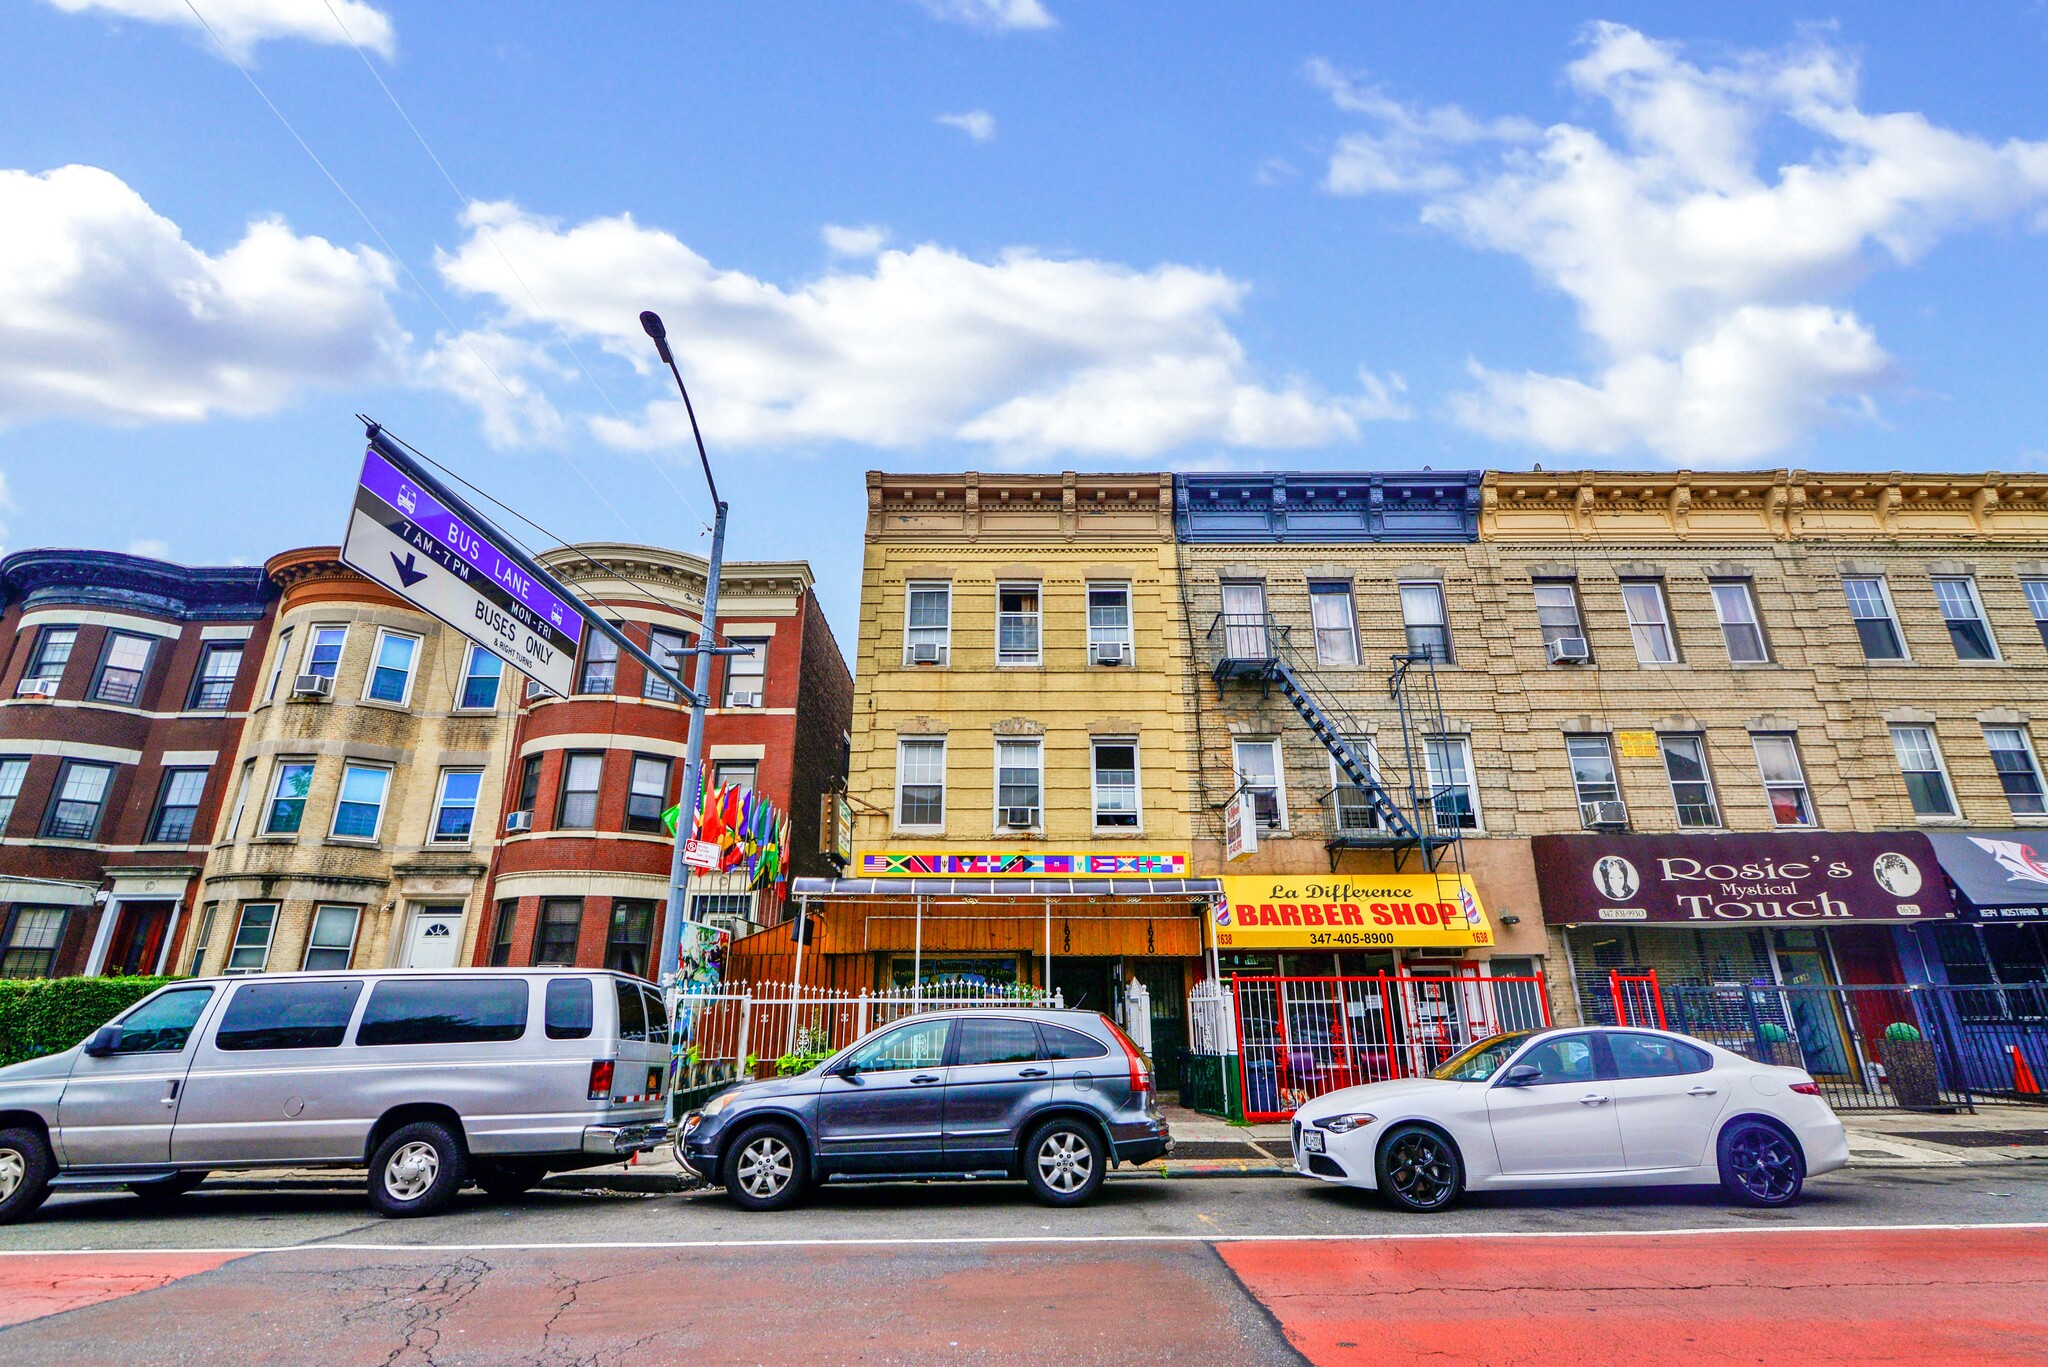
x=542, y=941
x=154, y=834
x=196, y=699
x=627, y=954
x=11, y=956
x=652, y=685
x=57, y=799
x=593, y=661
x=563, y=792
x=638, y=819
x=95, y=690
x=529, y=783
x=39, y=661
x=502, y=931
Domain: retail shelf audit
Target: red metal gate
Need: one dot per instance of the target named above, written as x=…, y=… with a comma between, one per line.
x=1636, y=998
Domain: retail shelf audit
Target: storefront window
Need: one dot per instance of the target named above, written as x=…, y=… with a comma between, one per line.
x=958, y=973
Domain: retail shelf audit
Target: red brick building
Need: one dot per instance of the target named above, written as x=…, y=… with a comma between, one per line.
x=124, y=685
x=580, y=874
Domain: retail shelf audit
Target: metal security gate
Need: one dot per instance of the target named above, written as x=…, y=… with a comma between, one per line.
x=1300, y=1037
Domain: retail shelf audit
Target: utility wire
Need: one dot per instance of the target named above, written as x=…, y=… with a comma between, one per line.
x=465, y=201
x=462, y=336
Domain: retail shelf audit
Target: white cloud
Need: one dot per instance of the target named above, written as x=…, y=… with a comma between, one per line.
x=1709, y=285
x=242, y=24
x=108, y=313
x=978, y=124
x=151, y=547
x=492, y=371
x=997, y=15
x=857, y=242
x=912, y=346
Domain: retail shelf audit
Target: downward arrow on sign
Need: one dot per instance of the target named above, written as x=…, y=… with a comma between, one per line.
x=409, y=572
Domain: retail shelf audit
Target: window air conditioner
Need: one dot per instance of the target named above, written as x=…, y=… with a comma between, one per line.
x=1111, y=652
x=745, y=700
x=925, y=653
x=1568, y=650
x=36, y=688
x=1020, y=818
x=518, y=821
x=1603, y=813
x=312, y=686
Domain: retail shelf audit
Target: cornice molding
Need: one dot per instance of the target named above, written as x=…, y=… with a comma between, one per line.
x=157, y=588
x=1306, y=507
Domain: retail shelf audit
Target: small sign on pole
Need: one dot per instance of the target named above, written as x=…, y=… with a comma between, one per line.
x=701, y=854
x=1240, y=826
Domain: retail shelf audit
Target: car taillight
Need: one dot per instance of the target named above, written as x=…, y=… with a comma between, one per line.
x=601, y=1080
x=1141, y=1081
x=1806, y=1088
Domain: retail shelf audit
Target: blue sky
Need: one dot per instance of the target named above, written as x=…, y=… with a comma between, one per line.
x=1019, y=233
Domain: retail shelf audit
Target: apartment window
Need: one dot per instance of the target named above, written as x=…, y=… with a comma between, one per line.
x=1456, y=801
x=667, y=648
x=1648, y=623
x=122, y=668
x=1244, y=621
x=1926, y=776
x=501, y=935
x=1736, y=607
x=1557, y=612
x=332, y=942
x=744, y=673
x=647, y=793
x=455, y=807
x=213, y=685
x=53, y=652
x=560, y=927
x=32, y=939
x=361, y=809
x=927, y=623
x=529, y=783
x=1354, y=811
x=288, y=797
x=177, y=806
x=391, y=674
x=2019, y=773
x=1877, y=626
x=1017, y=624
x=2037, y=602
x=1593, y=773
x=576, y=809
x=250, y=952
x=323, y=651
x=81, y=795
x=1777, y=759
x=1018, y=781
x=600, y=672
x=1258, y=773
x=1422, y=611
x=921, y=782
x=284, y=652
x=1329, y=609
x=1109, y=622
x=1692, y=787
x=1964, y=617
x=735, y=773
x=480, y=677
x=203, y=941
x=626, y=942
x=12, y=772
x=1116, y=784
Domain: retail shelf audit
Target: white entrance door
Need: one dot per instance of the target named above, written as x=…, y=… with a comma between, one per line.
x=436, y=938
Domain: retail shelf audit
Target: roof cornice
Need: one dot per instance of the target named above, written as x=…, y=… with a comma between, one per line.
x=113, y=579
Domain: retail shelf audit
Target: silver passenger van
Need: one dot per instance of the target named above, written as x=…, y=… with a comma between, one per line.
x=430, y=1079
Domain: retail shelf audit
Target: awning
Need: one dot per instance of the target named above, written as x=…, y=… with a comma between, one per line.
x=801, y=888
x=2003, y=874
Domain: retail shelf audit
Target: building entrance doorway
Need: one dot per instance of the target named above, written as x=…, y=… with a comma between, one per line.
x=435, y=938
x=138, y=939
x=1087, y=984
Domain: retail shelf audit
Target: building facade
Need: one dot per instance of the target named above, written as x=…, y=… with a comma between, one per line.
x=580, y=874
x=124, y=686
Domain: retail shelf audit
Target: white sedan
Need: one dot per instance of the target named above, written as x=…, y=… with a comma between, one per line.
x=1575, y=1108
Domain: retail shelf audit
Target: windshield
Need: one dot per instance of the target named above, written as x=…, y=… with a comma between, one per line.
x=1479, y=1061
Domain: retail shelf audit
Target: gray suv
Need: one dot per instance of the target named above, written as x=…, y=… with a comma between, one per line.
x=1056, y=1098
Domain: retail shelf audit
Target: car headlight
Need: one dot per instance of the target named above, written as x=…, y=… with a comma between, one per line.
x=1345, y=1124
x=717, y=1104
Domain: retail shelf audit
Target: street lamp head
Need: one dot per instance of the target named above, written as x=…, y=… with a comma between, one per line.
x=651, y=322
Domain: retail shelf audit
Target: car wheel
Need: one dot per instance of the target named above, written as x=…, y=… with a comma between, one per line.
x=26, y=1166
x=168, y=1188
x=1064, y=1161
x=764, y=1168
x=505, y=1178
x=417, y=1170
x=1760, y=1165
x=1419, y=1169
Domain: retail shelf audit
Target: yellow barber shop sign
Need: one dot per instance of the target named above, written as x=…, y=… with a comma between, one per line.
x=1355, y=911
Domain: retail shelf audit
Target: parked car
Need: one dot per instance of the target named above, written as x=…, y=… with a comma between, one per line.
x=1575, y=1108
x=428, y=1079
x=1055, y=1098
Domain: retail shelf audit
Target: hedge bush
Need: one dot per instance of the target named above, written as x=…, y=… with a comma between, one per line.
x=48, y=1015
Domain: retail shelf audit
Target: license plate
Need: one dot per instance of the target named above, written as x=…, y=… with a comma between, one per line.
x=1312, y=1140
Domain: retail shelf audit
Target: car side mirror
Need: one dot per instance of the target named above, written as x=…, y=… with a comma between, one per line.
x=846, y=1068
x=104, y=1041
x=1521, y=1075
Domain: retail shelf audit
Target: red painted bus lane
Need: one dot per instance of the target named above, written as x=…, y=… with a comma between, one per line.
x=1786, y=1296
x=32, y=1287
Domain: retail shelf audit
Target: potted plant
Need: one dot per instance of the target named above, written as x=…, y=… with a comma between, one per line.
x=1908, y=1062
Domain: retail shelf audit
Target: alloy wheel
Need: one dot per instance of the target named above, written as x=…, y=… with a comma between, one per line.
x=411, y=1171
x=766, y=1166
x=1065, y=1161
x=1420, y=1169
x=1765, y=1164
x=13, y=1171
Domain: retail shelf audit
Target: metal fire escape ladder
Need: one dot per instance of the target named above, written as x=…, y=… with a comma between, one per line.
x=1349, y=762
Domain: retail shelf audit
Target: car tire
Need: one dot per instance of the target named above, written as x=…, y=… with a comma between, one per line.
x=168, y=1188
x=765, y=1168
x=506, y=1178
x=417, y=1170
x=1419, y=1169
x=1065, y=1162
x=26, y=1166
x=1760, y=1165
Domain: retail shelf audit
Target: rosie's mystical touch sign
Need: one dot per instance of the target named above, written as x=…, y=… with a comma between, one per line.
x=401, y=537
x=1706, y=880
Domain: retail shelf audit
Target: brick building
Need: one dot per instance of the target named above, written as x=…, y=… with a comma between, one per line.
x=581, y=872
x=124, y=685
